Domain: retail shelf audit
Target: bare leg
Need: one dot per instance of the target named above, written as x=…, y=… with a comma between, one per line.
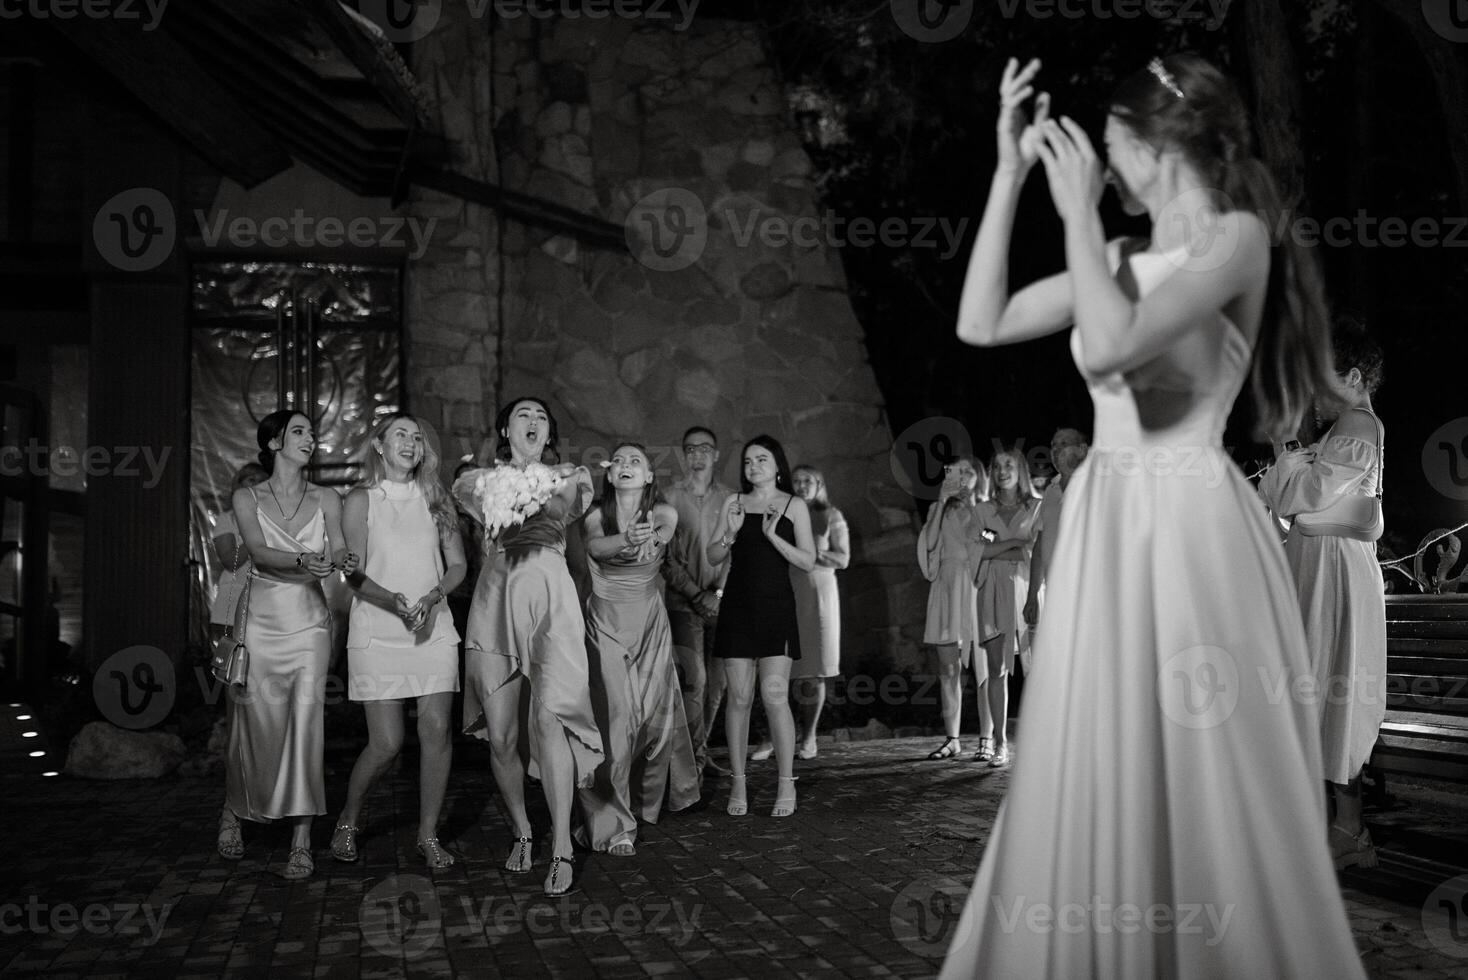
x=436, y=750
x=503, y=727
x=950, y=690
x=558, y=772
x=384, y=742
x=981, y=692
x=774, y=684
x=998, y=686
x=774, y=688
x=811, y=693
x=739, y=675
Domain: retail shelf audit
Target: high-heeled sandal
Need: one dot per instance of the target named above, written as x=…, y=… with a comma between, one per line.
x=344, y=843
x=1347, y=850
x=986, y=750
x=522, y=856
x=738, y=805
x=561, y=869
x=299, y=865
x=434, y=854
x=784, y=805
x=623, y=849
x=230, y=844
x=944, y=752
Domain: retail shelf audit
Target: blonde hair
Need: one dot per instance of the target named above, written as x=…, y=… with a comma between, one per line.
x=425, y=474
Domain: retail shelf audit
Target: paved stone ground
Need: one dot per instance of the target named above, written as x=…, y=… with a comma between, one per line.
x=121, y=879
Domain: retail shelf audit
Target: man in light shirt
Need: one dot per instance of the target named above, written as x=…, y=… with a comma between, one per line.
x=1067, y=450
x=695, y=586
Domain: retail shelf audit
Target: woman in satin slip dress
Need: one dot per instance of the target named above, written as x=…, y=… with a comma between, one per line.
x=274, y=769
x=636, y=694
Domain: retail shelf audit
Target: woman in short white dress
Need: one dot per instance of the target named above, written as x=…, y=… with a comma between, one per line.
x=402, y=643
x=1008, y=522
x=947, y=551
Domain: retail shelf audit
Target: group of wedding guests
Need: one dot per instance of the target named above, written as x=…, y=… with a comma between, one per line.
x=607, y=703
x=984, y=548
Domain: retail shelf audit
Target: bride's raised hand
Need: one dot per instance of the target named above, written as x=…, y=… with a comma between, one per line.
x=1018, y=135
x=1071, y=167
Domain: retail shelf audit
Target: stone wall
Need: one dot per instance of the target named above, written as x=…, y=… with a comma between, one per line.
x=739, y=330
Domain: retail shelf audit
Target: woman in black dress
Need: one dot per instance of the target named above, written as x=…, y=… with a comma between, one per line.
x=758, y=634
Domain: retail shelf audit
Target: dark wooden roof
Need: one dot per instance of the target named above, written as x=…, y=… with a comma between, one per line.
x=252, y=84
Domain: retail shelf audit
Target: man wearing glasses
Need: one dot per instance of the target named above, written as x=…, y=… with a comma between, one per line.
x=695, y=587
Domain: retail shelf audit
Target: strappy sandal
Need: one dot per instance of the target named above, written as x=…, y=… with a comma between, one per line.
x=1347, y=850
x=738, y=805
x=522, y=856
x=944, y=752
x=231, y=844
x=435, y=854
x=344, y=843
x=986, y=750
x=300, y=865
x=1001, y=758
x=623, y=849
x=562, y=876
x=784, y=805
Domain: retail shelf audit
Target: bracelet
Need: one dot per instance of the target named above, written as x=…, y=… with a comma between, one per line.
x=300, y=559
x=439, y=590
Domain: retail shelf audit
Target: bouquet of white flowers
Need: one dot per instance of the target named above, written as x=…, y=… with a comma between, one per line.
x=506, y=495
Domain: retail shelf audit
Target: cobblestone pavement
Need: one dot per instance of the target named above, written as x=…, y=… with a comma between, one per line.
x=863, y=881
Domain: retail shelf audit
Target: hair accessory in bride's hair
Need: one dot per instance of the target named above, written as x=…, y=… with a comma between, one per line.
x=1156, y=67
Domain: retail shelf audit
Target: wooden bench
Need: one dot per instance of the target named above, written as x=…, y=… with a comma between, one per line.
x=1426, y=728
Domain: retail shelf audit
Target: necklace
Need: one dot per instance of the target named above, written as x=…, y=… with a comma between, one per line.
x=282, y=509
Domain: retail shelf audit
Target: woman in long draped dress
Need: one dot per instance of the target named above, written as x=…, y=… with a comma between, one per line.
x=525, y=673
x=630, y=642
x=274, y=768
x=1165, y=817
